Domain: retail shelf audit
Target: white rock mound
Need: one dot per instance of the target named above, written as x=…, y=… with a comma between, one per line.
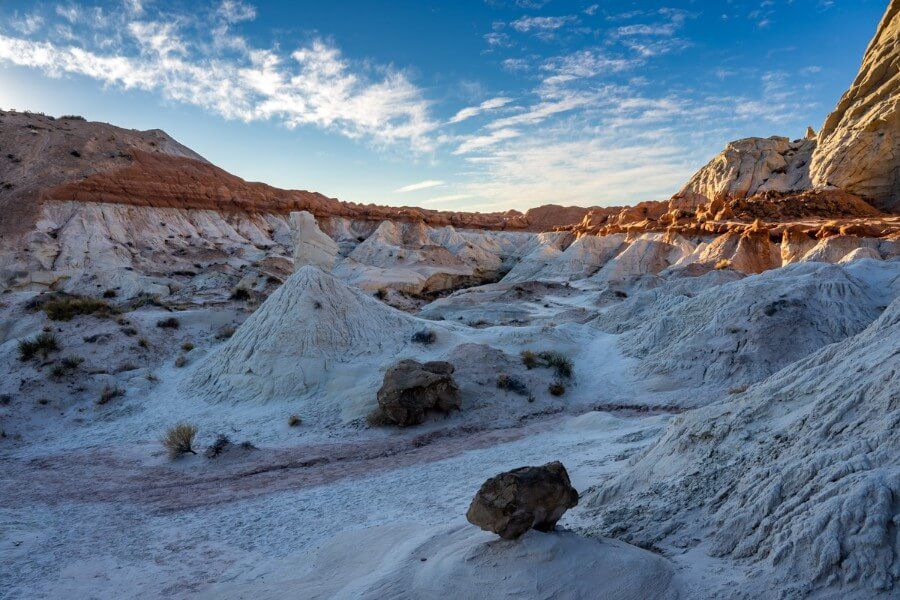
x=740, y=332
x=305, y=329
x=750, y=166
x=410, y=561
x=799, y=476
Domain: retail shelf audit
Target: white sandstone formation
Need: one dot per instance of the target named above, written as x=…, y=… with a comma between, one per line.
x=311, y=246
x=859, y=144
x=750, y=166
x=310, y=326
x=458, y=561
x=797, y=477
x=740, y=332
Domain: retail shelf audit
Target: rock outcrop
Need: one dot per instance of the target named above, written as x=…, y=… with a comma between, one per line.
x=511, y=503
x=412, y=389
x=859, y=144
x=798, y=474
x=747, y=167
x=311, y=245
x=306, y=328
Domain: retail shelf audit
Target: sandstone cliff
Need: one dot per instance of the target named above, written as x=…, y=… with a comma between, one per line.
x=859, y=145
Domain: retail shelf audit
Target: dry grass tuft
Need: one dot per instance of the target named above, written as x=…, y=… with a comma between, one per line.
x=557, y=388
x=108, y=394
x=723, y=264
x=67, y=307
x=179, y=440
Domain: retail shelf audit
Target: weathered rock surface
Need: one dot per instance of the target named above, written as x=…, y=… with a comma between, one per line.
x=311, y=325
x=749, y=166
x=859, y=144
x=511, y=503
x=797, y=476
x=311, y=245
x=411, y=389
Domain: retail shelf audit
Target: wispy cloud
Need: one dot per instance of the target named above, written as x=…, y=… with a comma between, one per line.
x=445, y=199
x=487, y=105
x=314, y=85
x=422, y=185
x=479, y=142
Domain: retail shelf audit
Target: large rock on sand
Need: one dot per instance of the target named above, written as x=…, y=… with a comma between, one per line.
x=859, y=145
x=511, y=503
x=411, y=389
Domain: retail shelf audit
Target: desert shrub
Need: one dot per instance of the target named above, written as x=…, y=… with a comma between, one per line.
x=425, y=336
x=225, y=332
x=738, y=390
x=512, y=384
x=530, y=359
x=180, y=440
x=109, y=294
x=187, y=346
x=72, y=118
x=169, y=323
x=66, y=307
x=66, y=366
x=723, y=264
x=558, y=362
x=129, y=331
x=240, y=293
x=108, y=393
x=294, y=420
x=143, y=343
x=217, y=447
x=381, y=294
x=557, y=388
x=43, y=344
x=180, y=362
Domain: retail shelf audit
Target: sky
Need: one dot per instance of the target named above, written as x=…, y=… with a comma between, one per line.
x=483, y=105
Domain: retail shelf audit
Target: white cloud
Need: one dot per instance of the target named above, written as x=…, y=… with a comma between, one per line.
x=315, y=85
x=543, y=27
x=471, y=111
x=235, y=11
x=28, y=24
x=422, y=185
x=479, y=142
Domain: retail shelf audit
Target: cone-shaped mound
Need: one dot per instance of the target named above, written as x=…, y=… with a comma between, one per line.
x=309, y=324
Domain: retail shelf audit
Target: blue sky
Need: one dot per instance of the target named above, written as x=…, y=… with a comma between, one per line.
x=462, y=105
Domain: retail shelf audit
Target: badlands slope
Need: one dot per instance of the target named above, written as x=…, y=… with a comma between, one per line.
x=730, y=419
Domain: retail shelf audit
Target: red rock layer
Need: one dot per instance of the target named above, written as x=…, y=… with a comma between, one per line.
x=816, y=213
x=162, y=180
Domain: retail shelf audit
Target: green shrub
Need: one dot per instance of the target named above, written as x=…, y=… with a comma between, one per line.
x=66, y=366
x=169, y=323
x=179, y=440
x=43, y=344
x=424, y=337
x=512, y=384
x=559, y=362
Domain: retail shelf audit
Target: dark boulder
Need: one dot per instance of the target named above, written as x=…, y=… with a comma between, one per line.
x=411, y=389
x=511, y=503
